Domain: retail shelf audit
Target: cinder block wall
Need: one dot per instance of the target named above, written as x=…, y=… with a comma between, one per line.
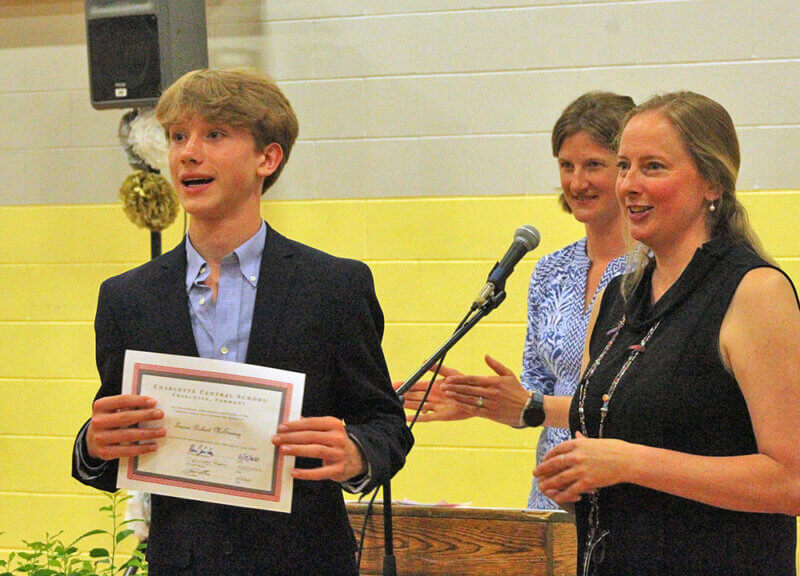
x=424, y=143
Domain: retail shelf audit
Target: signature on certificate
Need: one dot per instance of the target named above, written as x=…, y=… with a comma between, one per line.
x=200, y=450
x=196, y=472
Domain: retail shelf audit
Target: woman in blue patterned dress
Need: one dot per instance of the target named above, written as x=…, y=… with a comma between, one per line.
x=562, y=290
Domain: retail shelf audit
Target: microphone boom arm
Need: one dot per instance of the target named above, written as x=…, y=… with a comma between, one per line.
x=491, y=303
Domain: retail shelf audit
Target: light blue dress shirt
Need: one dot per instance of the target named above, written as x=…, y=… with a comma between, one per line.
x=222, y=329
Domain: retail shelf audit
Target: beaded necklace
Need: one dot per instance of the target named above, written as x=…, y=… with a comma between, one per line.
x=595, y=535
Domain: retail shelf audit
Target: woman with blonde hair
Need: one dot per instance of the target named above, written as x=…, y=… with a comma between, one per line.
x=686, y=457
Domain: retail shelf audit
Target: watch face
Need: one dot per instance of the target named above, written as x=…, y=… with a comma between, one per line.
x=534, y=413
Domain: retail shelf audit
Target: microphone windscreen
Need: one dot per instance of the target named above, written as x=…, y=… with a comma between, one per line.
x=528, y=235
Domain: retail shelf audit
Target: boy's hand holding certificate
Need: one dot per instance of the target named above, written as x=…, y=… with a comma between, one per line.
x=219, y=418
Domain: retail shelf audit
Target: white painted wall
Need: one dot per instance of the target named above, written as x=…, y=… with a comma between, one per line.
x=416, y=97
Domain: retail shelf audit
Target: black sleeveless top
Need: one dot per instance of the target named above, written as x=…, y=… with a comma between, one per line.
x=679, y=396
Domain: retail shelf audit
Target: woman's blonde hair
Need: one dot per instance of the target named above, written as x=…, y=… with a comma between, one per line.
x=707, y=132
x=598, y=114
x=239, y=96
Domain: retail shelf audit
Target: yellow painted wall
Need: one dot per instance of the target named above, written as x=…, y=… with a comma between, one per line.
x=429, y=257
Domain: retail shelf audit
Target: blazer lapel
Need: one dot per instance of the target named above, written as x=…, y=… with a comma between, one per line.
x=173, y=302
x=277, y=274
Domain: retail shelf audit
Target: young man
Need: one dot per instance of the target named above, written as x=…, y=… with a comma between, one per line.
x=237, y=290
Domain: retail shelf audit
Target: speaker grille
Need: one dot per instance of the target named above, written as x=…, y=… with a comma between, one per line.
x=124, y=58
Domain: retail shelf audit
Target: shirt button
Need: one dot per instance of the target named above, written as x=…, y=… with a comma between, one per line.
x=202, y=301
x=224, y=349
x=252, y=278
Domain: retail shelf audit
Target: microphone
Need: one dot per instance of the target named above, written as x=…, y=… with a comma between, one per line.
x=526, y=238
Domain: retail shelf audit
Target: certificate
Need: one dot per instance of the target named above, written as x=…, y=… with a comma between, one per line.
x=219, y=417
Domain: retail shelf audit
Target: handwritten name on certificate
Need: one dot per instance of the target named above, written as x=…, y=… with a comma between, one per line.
x=219, y=417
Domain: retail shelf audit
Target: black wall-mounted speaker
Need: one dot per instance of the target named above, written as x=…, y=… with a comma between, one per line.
x=139, y=47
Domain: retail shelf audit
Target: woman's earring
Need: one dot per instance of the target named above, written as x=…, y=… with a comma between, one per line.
x=712, y=206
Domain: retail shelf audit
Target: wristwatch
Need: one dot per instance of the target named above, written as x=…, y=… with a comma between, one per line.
x=533, y=413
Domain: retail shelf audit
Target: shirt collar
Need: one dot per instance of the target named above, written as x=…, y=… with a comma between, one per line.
x=249, y=255
x=580, y=259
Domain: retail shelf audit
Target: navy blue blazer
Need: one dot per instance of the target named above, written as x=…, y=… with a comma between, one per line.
x=314, y=313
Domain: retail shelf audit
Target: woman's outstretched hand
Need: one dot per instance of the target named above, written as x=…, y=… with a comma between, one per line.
x=500, y=397
x=438, y=407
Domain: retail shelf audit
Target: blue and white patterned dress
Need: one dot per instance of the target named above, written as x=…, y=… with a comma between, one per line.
x=557, y=325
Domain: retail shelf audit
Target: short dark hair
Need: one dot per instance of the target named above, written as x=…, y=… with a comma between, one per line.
x=599, y=114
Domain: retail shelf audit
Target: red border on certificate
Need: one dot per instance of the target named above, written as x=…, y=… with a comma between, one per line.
x=133, y=471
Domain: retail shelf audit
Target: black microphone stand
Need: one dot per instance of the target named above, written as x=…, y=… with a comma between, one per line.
x=492, y=302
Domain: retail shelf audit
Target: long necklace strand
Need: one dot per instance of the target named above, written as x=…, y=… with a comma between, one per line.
x=636, y=350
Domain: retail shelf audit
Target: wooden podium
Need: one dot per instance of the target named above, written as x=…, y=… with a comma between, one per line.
x=452, y=541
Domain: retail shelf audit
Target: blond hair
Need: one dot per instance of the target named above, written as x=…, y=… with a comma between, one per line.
x=239, y=96
x=707, y=132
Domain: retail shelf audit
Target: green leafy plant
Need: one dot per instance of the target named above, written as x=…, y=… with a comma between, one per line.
x=53, y=557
